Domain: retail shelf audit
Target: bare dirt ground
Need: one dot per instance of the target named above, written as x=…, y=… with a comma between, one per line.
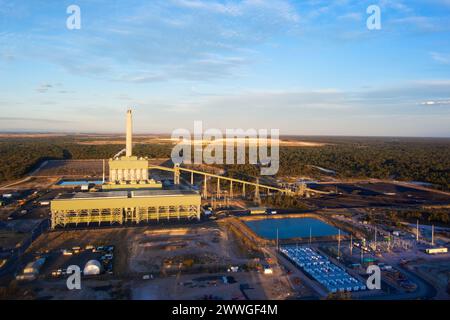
x=90, y=290
x=120, y=141
x=186, y=262
x=160, y=140
x=254, y=285
x=437, y=273
x=188, y=248
x=72, y=168
x=30, y=183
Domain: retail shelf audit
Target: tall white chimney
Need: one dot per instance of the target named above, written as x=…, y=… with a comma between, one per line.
x=129, y=141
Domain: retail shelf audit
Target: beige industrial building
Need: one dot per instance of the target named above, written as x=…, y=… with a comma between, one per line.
x=129, y=196
x=119, y=207
x=129, y=172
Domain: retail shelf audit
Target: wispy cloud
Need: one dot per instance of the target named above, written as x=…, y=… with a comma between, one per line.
x=397, y=5
x=445, y=3
x=401, y=98
x=353, y=16
x=280, y=8
x=440, y=57
x=165, y=40
x=52, y=87
x=210, y=66
x=270, y=59
x=44, y=87
x=436, y=103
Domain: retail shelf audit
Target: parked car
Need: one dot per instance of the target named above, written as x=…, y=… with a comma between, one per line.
x=67, y=252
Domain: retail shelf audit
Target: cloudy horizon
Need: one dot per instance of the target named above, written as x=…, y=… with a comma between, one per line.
x=306, y=68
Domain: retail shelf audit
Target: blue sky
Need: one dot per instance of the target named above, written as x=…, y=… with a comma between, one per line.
x=305, y=67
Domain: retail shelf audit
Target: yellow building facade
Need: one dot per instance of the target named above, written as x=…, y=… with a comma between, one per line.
x=124, y=207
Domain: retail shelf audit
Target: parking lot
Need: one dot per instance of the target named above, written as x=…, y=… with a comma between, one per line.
x=59, y=260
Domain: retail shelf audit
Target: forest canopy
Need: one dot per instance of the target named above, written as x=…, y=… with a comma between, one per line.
x=418, y=159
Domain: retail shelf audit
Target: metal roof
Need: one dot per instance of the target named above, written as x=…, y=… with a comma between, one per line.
x=162, y=193
x=93, y=195
x=124, y=194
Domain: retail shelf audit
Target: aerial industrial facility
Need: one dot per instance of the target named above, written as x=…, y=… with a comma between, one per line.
x=322, y=250
x=129, y=196
x=279, y=250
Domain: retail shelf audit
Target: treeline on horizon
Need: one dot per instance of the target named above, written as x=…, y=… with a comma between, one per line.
x=423, y=161
x=418, y=159
x=21, y=156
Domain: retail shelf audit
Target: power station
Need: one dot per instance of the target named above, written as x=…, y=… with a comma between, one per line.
x=129, y=196
x=129, y=172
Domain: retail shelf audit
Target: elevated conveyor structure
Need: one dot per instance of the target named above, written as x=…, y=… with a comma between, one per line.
x=176, y=170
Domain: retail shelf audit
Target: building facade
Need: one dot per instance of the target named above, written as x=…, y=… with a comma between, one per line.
x=124, y=207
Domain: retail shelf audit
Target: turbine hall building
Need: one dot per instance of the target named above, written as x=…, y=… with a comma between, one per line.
x=119, y=207
x=128, y=197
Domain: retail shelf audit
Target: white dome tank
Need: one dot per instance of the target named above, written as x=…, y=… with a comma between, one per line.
x=92, y=268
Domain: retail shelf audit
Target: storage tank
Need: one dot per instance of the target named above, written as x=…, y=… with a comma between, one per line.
x=92, y=268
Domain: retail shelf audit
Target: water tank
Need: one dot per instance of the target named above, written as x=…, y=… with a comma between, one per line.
x=92, y=268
